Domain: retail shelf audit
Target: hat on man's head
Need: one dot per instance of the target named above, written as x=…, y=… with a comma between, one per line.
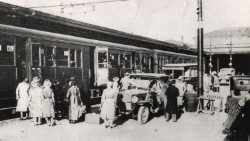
x=172, y=82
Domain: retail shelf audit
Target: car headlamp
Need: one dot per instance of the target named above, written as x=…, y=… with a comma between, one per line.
x=134, y=99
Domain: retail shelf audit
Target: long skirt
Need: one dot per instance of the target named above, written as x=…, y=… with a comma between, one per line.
x=22, y=105
x=36, y=108
x=172, y=107
x=74, y=111
x=108, y=109
x=48, y=108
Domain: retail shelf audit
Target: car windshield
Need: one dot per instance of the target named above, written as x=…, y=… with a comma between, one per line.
x=226, y=72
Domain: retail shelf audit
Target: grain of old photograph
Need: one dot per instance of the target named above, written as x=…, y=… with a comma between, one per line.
x=124, y=70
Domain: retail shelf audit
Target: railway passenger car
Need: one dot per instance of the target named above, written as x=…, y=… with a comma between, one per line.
x=57, y=48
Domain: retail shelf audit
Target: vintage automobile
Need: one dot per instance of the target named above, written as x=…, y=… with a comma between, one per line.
x=139, y=100
x=242, y=83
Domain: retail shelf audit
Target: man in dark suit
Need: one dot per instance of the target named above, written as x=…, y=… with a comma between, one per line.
x=171, y=109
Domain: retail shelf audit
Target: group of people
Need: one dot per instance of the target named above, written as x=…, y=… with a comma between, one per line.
x=37, y=100
x=172, y=97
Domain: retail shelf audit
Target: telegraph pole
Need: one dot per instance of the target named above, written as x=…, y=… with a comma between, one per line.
x=200, y=48
x=210, y=56
x=230, y=52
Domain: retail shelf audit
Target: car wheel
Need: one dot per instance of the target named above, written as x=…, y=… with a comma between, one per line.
x=143, y=115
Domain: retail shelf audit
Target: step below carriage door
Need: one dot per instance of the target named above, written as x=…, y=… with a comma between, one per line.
x=101, y=66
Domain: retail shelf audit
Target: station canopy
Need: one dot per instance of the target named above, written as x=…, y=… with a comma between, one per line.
x=235, y=40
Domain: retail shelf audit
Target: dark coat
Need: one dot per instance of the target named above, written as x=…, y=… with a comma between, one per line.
x=172, y=93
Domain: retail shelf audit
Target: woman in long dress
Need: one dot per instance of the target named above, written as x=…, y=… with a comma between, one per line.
x=233, y=110
x=22, y=97
x=108, y=105
x=48, y=103
x=36, y=94
x=74, y=97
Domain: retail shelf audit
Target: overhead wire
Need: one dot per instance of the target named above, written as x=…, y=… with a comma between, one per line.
x=76, y=4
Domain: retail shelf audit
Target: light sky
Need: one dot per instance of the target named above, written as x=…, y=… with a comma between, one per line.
x=159, y=19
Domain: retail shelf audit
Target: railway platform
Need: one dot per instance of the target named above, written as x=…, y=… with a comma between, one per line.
x=190, y=126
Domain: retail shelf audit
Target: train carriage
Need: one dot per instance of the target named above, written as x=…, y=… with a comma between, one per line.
x=49, y=51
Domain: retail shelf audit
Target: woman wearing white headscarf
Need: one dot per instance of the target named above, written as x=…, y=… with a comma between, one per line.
x=108, y=105
x=36, y=100
x=22, y=97
x=74, y=97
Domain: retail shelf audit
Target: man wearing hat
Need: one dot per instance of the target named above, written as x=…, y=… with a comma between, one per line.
x=171, y=109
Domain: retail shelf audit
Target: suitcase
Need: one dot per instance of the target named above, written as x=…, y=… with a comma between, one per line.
x=92, y=118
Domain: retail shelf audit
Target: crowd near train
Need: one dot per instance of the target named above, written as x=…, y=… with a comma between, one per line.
x=33, y=43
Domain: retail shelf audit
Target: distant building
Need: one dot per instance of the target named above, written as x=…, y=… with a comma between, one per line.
x=223, y=42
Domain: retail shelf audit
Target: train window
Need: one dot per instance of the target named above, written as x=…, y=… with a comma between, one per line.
x=122, y=60
x=102, y=59
x=35, y=55
x=137, y=61
x=72, y=58
x=42, y=56
x=144, y=62
x=7, y=54
x=49, y=56
x=127, y=60
x=79, y=58
x=113, y=59
x=38, y=55
x=149, y=63
x=158, y=62
x=62, y=57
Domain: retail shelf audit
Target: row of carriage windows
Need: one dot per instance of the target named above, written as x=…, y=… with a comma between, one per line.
x=175, y=60
x=63, y=57
x=114, y=60
x=51, y=56
x=123, y=60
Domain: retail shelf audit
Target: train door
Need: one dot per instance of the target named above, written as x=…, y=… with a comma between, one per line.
x=101, y=66
x=37, y=59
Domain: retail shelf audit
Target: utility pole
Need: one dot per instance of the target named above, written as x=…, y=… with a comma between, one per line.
x=230, y=52
x=210, y=56
x=200, y=47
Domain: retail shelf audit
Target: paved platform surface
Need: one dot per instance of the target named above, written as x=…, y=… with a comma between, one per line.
x=189, y=127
